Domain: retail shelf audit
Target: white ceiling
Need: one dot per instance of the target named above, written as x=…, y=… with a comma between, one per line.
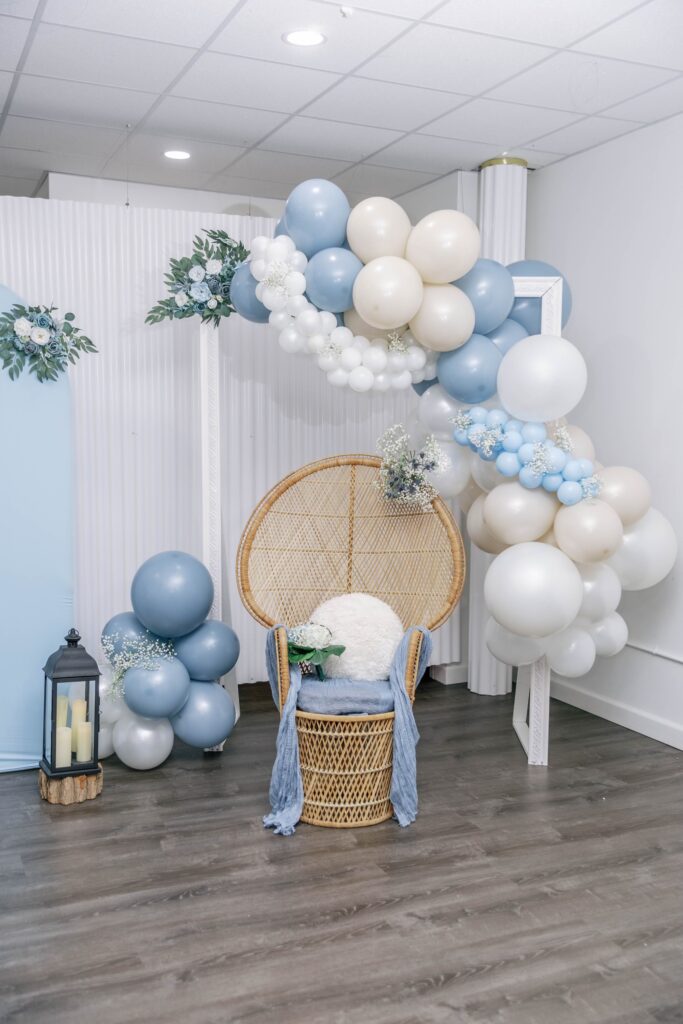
x=402, y=92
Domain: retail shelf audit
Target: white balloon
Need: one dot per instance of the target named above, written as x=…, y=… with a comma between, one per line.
x=357, y=325
x=571, y=653
x=478, y=531
x=401, y=381
x=601, y=591
x=436, y=410
x=445, y=319
x=290, y=340
x=105, y=740
x=308, y=321
x=416, y=357
x=627, y=491
x=486, y=474
x=647, y=552
x=297, y=304
x=273, y=298
x=258, y=247
x=443, y=246
x=328, y=321
x=295, y=283
x=286, y=243
x=142, y=743
x=342, y=337
x=382, y=382
x=396, y=361
x=516, y=514
x=280, y=319
x=258, y=268
x=112, y=705
x=387, y=292
x=316, y=343
x=589, y=531
x=298, y=261
x=454, y=475
x=360, y=342
x=338, y=378
x=375, y=358
x=541, y=378
x=328, y=361
x=533, y=589
x=510, y=648
x=361, y=379
x=609, y=634
x=350, y=358
x=278, y=251
x=377, y=227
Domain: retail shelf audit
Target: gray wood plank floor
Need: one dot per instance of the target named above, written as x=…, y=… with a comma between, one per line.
x=520, y=896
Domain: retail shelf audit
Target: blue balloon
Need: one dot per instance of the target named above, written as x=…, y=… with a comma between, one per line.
x=469, y=373
x=210, y=651
x=496, y=418
x=172, y=593
x=243, y=296
x=512, y=441
x=514, y=425
x=329, y=279
x=157, y=692
x=280, y=228
x=423, y=385
x=587, y=468
x=507, y=335
x=534, y=432
x=552, y=482
x=315, y=216
x=508, y=464
x=529, y=479
x=526, y=452
x=491, y=290
x=570, y=492
x=123, y=628
x=527, y=312
x=478, y=414
x=557, y=459
x=573, y=470
x=207, y=716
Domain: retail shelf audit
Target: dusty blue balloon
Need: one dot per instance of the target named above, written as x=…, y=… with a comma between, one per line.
x=280, y=228
x=507, y=335
x=527, y=312
x=491, y=291
x=157, y=692
x=329, y=279
x=123, y=628
x=315, y=216
x=424, y=385
x=243, y=296
x=209, y=651
x=469, y=373
x=207, y=717
x=172, y=593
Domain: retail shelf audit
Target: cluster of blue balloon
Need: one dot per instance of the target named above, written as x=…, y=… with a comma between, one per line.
x=171, y=594
x=524, y=450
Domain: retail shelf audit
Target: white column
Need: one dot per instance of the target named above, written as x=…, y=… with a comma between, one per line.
x=502, y=222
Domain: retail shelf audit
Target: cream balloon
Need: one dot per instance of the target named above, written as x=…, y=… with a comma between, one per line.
x=468, y=496
x=485, y=474
x=582, y=446
x=647, y=553
x=601, y=591
x=541, y=378
x=510, y=648
x=445, y=319
x=627, y=491
x=436, y=410
x=377, y=227
x=571, y=653
x=589, y=531
x=533, y=589
x=549, y=538
x=387, y=292
x=609, y=635
x=478, y=531
x=355, y=322
x=515, y=514
x=453, y=475
x=443, y=246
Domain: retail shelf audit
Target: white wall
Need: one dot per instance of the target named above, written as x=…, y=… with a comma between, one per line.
x=612, y=220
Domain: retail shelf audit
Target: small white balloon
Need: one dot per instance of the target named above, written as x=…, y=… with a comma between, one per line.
x=396, y=362
x=609, y=634
x=258, y=268
x=287, y=243
x=416, y=357
x=360, y=342
x=401, y=381
x=308, y=321
x=316, y=343
x=571, y=653
x=280, y=319
x=328, y=360
x=328, y=321
x=298, y=261
x=510, y=648
x=382, y=382
x=338, y=378
x=350, y=358
x=278, y=251
x=274, y=298
x=259, y=247
x=297, y=304
x=647, y=552
x=295, y=283
x=375, y=358
x=342, y=337
x=290, y=340
x=361, y=379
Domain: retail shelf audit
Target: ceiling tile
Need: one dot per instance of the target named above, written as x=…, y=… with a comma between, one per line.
x=16, y=186
x=250, y=83
x=213, y=122
x=78, y=102
x=371, y=180
x=177, y=176
x=535, y=157
x=661, y=102
x=576, y=82
x=19, y=8
x=55, y=137
x=27, y=163
x=553, y=24
x=248, y=187
x=13, y=33
x=411, y=9
x=104, y=59
x=651, y=35
x=331, y=139
x=174, y=21
x=584, y=134
x=148, y=150
x=6, y=78
x=437, y=156
x=361, y=101
x=257, y=30
x=287, y=167
x=441, y=58
x=501, y=124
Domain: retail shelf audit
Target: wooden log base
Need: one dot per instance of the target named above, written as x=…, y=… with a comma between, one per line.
x=72, y=789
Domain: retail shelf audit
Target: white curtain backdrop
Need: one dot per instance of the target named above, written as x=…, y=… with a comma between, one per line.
x=136, y=403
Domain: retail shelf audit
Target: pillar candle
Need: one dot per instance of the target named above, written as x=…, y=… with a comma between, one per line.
x=78, y=708
x=84, y=745
x=63, y=747
x=62, y=710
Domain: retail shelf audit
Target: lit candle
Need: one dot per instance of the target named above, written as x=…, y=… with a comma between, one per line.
x=62, y=710
x=78, y=709
x=63, y=747
x=84, y=746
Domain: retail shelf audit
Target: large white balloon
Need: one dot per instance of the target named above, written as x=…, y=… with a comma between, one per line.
x=601, y=591
x=589, y=531
x=582, y=446
x=142, y=743
x=571, y=653
x=478, y=531
x=387, y=292
x=541, y=378
x=436, y=410
x=445, y=319
x=454, y=475
x=627, y=491
x=469, y=495
x=377, y=227
x=105, y=740
x=516, y=514
x=609, y=634
x=485, y=474
x=443, y=246
x=533, y=589
x=510, y=648
x=647, y=552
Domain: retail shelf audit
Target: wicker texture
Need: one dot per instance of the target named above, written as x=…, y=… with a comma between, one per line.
x=327, y=530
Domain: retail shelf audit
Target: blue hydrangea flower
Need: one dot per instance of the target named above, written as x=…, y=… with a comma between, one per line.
x=200, y=291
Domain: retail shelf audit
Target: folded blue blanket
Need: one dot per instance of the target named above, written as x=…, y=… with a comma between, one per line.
x=344, y=696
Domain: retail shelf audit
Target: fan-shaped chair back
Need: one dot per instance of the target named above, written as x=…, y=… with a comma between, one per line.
x=327, y=529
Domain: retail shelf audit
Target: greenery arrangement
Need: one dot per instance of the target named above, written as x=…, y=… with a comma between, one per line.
x=33, y=337
x=200, y=284
x=310, y=644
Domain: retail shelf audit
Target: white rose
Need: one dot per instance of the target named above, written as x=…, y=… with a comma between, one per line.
x=40, y=335
x=181, y=299
x=22, y=327
x=196, y=273
x=212, y=304
x=213, y=267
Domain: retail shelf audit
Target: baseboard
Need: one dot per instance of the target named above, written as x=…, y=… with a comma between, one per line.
x=18, y=762
x=656, y=728
x=452, y=674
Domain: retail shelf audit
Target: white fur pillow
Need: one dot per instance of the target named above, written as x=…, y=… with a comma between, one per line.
x=368, y=628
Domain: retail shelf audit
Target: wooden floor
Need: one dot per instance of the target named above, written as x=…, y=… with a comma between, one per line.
x=530, y=895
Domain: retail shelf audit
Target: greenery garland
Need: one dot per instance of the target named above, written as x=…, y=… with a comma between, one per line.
x=200, y=283
x=32, y=336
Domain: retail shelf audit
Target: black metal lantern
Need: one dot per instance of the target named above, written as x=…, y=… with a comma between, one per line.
x=71, y=711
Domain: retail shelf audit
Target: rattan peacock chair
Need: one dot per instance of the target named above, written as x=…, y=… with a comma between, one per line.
x=326, y=530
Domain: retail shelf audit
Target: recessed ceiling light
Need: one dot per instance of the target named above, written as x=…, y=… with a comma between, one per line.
x=177, y=154
x=304, y=37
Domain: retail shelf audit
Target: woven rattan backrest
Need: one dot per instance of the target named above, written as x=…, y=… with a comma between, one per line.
x=327, y=530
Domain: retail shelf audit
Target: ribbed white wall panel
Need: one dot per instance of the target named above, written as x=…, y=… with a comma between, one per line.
x=136, y=403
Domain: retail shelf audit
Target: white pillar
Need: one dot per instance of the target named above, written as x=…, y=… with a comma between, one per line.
x=502, y=222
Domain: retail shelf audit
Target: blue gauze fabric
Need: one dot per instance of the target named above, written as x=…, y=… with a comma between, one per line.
x=344, y=696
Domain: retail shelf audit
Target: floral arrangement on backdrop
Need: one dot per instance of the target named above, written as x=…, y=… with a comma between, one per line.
x=200, y=284
x=33, y=337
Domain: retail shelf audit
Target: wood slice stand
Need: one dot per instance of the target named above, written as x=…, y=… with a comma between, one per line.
x=72, y=789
